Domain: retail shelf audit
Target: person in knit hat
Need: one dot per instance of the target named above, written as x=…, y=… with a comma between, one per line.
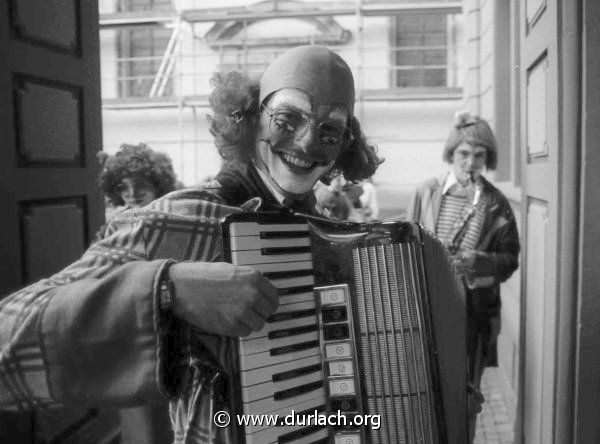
x=476, y=223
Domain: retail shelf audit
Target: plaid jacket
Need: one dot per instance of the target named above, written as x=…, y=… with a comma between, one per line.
x=93, y=333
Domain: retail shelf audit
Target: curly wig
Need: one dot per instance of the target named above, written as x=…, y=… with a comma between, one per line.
x=234, y=102
x=135, y=161
x=476, y=132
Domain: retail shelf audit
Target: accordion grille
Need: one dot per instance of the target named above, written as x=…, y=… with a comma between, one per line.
x=392, y=334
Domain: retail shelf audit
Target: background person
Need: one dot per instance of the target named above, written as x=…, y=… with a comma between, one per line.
x=135, y=175
x=474, y=220
x=368, y=201
x=132, y=178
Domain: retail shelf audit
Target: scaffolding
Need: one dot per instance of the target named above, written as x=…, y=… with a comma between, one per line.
x=186, y=68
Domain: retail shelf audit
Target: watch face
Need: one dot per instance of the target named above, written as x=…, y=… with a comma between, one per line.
x=166, y=295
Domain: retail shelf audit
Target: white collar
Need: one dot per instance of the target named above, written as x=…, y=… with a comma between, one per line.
x=450, y=181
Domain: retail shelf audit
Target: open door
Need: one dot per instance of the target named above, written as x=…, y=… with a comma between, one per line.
x=550, y=97
x=50, y=124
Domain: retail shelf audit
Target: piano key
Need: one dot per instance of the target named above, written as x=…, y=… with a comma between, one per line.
x=287, y=274
x=284, y=316
x=293, y=331
x=297, y=390
x=254, y=228
x=268, y=404
x=255, y=257
x=265, y=360
x=276, y=251
x=265, y=374
x=305, y=407
x=263, y=344
x=320, y=433
x=284, y=266
x=294, y=282
x=256, y=243
x=293, y=347
x=288, y=324
x=296, y=297
x=295, y=306
x=269, y=389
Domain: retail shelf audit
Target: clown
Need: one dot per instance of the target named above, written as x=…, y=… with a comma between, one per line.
x=148, y=312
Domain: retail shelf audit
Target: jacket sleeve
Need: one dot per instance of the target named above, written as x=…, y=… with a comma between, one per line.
x=89, y=334
x=500, y=259
x=413, y=211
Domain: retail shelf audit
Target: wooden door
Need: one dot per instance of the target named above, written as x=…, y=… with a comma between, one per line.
x=50, y=124
x=549, y=110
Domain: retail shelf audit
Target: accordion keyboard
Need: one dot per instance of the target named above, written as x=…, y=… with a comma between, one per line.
x=280, y=366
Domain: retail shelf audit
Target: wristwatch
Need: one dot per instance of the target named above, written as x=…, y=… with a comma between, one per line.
x=167, y=291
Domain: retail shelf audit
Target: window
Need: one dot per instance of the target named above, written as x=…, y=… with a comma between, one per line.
x=251, y=60
x=141, y=50
x=425, y=50
x=145, y=5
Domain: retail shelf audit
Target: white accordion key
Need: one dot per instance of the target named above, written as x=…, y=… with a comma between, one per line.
x=254, y=228
x=264, y=374
x=284, y=266
x=252, y=257
x=274, y=327
x=267, y=389
x=311, y=405
x=261, y=360
x=265, y=405
x=278, y=346
x=256, y=243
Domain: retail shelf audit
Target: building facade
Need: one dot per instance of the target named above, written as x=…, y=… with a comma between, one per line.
x=407, y=58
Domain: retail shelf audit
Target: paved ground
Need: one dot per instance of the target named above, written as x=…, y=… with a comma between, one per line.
x=494, y=425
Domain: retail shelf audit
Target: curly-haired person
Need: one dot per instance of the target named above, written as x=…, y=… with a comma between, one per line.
x=114, y=327
x=135, y=175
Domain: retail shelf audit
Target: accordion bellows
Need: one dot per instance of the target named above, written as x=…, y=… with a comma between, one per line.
x=371, y=325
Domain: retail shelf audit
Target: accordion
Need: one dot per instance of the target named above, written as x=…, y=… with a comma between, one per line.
x=368, y=344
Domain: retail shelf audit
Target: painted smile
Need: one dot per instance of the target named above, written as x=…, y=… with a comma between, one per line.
x=296, y=162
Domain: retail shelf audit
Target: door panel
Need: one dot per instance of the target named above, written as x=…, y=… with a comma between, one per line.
x=540, y=139
x=51, y=130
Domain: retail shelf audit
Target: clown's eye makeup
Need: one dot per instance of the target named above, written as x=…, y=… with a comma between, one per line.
x=287, y=123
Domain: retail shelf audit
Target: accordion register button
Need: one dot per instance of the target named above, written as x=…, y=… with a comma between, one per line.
x=347, y=439
x=341, y=368
x=341, y=387
x=346, y=404
x=334, y=314
x=336, y=331
x=338, y=350
x=335, y=295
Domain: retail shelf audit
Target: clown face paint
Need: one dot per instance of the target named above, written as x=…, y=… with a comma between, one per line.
x=293, y=165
